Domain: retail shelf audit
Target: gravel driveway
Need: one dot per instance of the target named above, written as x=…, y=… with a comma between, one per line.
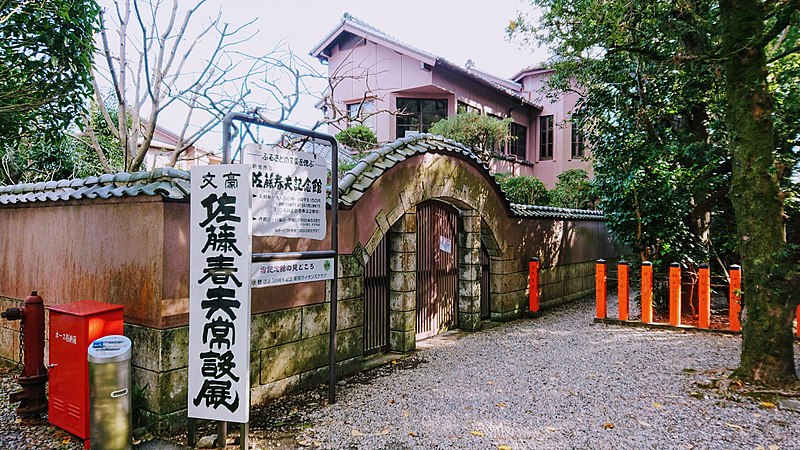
x=558, y=381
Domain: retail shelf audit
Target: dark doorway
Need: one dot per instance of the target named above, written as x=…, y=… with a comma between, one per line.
x=437, y=268
x=376, y=301
x=486, y=311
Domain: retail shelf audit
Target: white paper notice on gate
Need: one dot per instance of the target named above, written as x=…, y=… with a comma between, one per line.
x=289, y=192
x=445, y=245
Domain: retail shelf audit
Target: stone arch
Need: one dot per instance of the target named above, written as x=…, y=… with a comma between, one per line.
x=433, y=168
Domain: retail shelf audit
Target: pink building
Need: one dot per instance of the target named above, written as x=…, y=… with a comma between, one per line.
x=396, y=89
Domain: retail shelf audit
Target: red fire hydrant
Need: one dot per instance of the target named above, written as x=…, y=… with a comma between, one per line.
x=32, y=397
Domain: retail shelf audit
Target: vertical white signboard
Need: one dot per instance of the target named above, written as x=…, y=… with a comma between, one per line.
x=289, y=195
x=219, y=297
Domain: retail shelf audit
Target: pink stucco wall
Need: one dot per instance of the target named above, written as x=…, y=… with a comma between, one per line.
x=134, y=251
x=561, y=110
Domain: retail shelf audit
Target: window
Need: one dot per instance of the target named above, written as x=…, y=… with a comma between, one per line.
x=362, y=113
x=418, y=114
x=578, y=140
x=519, y=140
x=546, y=137
x=499, y=147
x=464, y=107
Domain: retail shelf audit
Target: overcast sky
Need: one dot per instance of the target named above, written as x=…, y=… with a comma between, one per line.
x=455, y=30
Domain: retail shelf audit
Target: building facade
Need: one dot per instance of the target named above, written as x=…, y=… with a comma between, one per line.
x=397, y=90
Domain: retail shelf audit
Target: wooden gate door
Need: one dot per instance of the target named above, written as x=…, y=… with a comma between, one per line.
x=437, y=268
x=376, y=301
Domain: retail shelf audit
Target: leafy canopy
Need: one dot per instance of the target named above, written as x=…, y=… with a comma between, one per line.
x=479, y=132
x=651, y=106
x=572, y=190
x=359, y=137
x=525, y=190
x=46, y=51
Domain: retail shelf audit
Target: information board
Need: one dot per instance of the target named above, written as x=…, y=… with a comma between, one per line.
x=291, y=271
x=289, y=192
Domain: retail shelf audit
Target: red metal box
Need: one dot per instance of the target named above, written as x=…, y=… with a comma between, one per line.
x=73, y=327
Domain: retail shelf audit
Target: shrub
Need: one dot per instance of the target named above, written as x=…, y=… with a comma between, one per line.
x=478, y=132
x=358, y=137
x=523, y=189
x=573, y=190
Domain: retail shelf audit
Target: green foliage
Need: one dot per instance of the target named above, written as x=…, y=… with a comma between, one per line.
x=652, y=111
x=46, y=50
x=524, y=190
x=358, y=137
x=47, y=156
x=479, y=132
x=573, y=190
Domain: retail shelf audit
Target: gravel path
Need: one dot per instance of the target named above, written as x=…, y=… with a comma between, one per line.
x=556, y=382
x=18, y=434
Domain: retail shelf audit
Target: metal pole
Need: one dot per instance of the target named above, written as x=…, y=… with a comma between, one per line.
x=226, y=159
x=222, y=434
x=244, y=435
x=334, y=284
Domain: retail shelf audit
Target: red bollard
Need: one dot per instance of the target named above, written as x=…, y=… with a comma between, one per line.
x=675, y=294
x=600, y=289
x=647, y=291
x=704, y=292
x=533, y=275
x=32, y=397
x=623, y=299
x=735, y=298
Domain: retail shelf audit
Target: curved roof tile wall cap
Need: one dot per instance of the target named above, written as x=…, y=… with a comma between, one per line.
x=175, y=184
x=167, y=182
x=356, y=181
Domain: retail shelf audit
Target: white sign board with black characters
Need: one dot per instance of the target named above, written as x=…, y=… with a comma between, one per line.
x=219, y=296
x=289, y=192
x=279, y=272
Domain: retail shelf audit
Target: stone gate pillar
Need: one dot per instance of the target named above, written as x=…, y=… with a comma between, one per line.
x=469, y=271
x=403, y=283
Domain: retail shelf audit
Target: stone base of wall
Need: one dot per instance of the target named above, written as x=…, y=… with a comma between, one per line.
x=562, y=284
x=289, y=352
x=9, y=332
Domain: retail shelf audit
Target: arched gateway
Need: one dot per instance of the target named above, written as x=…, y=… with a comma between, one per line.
x=427, y=242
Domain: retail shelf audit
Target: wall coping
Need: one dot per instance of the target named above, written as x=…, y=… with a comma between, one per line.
x=176, y=184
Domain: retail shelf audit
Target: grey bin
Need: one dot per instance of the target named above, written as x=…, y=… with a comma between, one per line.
x=110, y=393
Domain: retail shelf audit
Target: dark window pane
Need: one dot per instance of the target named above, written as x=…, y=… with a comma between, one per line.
x=546, y=137
x=519, y=141
x=416, y=114
x=578, y=140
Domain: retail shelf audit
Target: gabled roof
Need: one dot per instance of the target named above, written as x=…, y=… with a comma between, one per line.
x=531, y=70
x=358, y=27
x=354, y=25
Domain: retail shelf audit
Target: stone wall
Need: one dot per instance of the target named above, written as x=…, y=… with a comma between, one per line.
x=290, y=327
x=561, y=284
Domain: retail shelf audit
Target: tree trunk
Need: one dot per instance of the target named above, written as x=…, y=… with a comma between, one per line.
x=767, y=342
